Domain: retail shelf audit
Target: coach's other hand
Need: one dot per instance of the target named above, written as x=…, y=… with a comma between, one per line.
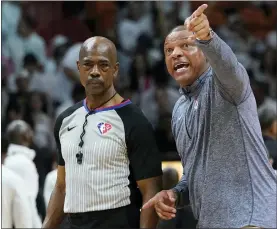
x=198, y=23
x=164, y=203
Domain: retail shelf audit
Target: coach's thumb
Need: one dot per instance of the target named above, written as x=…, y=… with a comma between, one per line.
x=191, y=40
x=171, y=196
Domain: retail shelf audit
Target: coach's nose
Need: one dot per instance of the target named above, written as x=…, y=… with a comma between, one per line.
x=177, y=52
x=95, y=72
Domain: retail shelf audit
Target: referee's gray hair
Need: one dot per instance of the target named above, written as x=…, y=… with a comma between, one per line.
x=267, y=115
x=16, y=129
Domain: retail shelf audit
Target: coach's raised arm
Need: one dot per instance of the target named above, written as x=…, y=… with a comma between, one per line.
x=231, y=77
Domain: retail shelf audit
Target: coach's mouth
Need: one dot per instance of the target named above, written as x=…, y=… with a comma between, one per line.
x=181, y=66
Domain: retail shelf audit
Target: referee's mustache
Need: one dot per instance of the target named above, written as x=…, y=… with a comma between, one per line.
x=94, y=81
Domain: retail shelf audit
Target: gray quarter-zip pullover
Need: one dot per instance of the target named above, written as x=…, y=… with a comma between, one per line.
x=219, y=139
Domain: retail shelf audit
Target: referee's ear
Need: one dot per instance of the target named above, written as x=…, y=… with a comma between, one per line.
x=116, y=70
x=78, y=65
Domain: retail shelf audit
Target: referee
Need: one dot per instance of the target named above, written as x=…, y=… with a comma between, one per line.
x=109, y=164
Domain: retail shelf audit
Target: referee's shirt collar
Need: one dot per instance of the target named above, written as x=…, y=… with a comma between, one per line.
x=124, y=103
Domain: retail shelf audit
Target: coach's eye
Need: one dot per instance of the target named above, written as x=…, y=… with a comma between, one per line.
x=186, y=45
x=169, y=51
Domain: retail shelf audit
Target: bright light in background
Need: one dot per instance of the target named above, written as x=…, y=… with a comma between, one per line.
x=174, y=164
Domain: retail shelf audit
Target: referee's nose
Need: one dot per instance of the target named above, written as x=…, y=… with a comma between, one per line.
x=94, y=72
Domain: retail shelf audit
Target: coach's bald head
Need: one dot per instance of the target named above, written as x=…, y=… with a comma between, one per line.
x=19, y=132
x=97, y=65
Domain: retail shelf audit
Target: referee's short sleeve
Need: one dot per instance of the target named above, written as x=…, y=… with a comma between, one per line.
x=57, y=139
x=144, y=156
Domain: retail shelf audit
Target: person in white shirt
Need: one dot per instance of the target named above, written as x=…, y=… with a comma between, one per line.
x=69, y=74
x=133, y=24
x=11, y=13
x=77, y=95
x=158, y=99
x=49, y=185
x=20, y=160
x=25, y=41
x=16, y=211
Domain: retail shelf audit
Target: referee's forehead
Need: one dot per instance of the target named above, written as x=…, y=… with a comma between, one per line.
x=97, y=48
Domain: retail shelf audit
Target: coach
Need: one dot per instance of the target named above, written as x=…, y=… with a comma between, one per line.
x=227, y=173
x=109, y=163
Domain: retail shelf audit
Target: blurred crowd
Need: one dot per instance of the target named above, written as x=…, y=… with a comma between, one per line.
x=40, y=46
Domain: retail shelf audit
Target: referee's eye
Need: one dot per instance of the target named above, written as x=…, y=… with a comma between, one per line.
x=87, y=65
x=104, y=66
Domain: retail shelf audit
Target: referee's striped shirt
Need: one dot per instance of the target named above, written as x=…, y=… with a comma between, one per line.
x=118, y=149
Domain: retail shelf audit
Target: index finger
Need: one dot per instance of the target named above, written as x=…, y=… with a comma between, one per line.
x=149, y=204
x=200, y=10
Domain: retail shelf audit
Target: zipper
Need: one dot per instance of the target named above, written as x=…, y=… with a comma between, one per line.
x=186, y=126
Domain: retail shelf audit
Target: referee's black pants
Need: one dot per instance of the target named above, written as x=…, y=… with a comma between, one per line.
x=124, y=217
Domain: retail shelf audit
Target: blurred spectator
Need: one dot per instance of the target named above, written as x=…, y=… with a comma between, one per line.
x=50, y=182
x=133, y=24
x=269, y=67
x=70, y=25
x=78, y=94
x=140, y=75
x=26, y=41
x=174, y=12
x=164, y=137
x=42, y=123
x=184, y=217
x=43, y=162
x=41, y=81
x=54, y=68
x=20, y=160
x=159, y=99
x=271, y=40
x=57, y=48
x=96, y=15
x=4, y=92
x=123, y=78
x=70, y=74
x=36, y=79
x=268, y=121
x=260, y=90
x=17, y=104
x=11, y=13
x=16, y=211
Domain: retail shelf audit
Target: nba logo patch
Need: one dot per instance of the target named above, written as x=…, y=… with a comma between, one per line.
x=104, y=127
